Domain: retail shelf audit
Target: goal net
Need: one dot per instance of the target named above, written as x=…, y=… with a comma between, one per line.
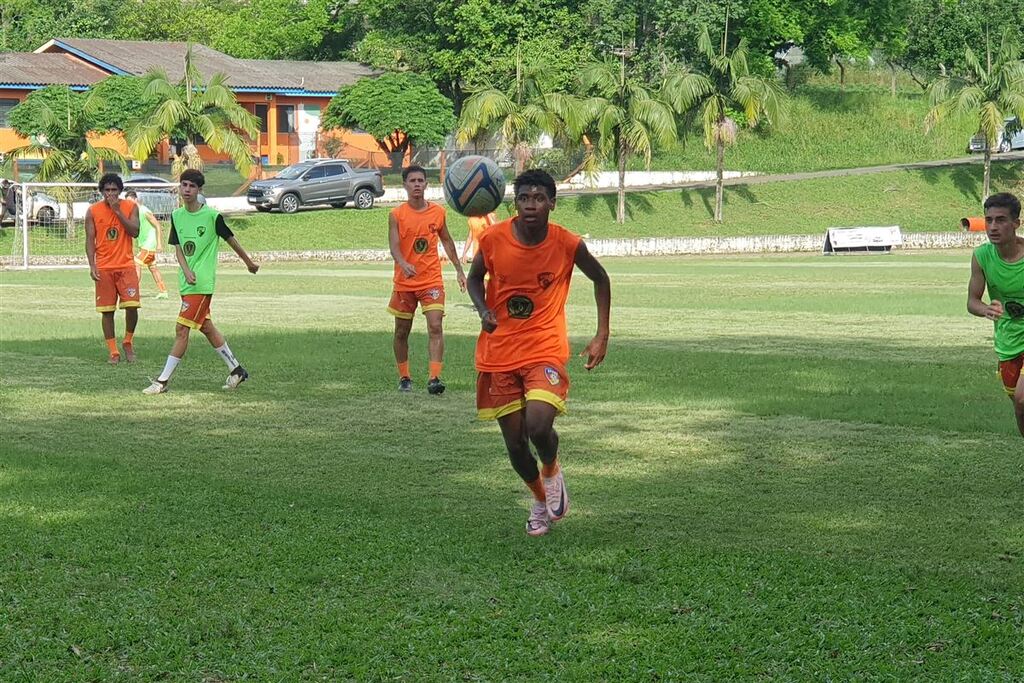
x=46, y=225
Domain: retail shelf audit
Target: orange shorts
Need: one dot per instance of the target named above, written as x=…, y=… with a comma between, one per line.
x=117, y=285
x=1009, y=372
x=403, y=304
x=195, y=310
x=145, y=257
x=502, y=393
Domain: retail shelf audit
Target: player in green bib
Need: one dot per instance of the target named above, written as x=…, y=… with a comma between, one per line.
x=999, y=267
x=149, y=240
x=195, y=232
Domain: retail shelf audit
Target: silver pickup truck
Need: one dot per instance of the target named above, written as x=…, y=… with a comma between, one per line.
x=317, y=181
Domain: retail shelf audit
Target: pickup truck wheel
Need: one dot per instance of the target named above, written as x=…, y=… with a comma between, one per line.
x=290, y=203
x=46, y=215
x=364, y=199
x=338, y=205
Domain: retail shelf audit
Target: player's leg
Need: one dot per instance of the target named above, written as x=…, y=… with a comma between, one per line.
x=107, y=324
x=403, y=307
x=547, y=389
x=106, y=304
x=127, y=282
x=178, y=349
x=236, y=373
x=435, y=333
x=517, y=443
x=158, y=279
x=1018, y=397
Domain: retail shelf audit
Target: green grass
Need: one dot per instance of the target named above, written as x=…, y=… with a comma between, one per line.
x=794, y=468
x=918, y=201
x=827, y=129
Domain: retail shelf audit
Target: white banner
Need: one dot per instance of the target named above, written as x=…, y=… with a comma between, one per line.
x=866, y=238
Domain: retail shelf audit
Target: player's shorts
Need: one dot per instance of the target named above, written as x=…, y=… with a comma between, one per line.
x=1009, y=372
x=502, y=393
x=121, y=285
x=403, y=304
x=195, y=310
x=145, y=257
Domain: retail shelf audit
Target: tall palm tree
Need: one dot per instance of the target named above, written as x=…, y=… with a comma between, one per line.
x=61, y=138
x=520, y=114
x=625, y=116
x=190, y=109
x=989, y=93
x=727, y=92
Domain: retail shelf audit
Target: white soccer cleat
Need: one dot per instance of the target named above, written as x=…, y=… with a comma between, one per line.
x=539, y=523
x=157, y=387
x=557, y=496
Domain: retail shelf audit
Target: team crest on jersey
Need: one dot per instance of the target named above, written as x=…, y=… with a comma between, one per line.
x=189, y=248
x=420, y=245
x=552, y=375
x=519, y=306
x=545, y=279
x=434, y=294
x=434, y=229
x=111, y=233
x=1015, y=309
x=201, y=230
x=184, y=306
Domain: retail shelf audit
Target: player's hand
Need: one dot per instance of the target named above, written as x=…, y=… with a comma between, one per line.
x=994, y=310
x=595, y=352
x=190, y=277
x=114, y=202
x=488, y=321
x=462, y=282
x=408, y=269
x=253, y=267
x=94, y=273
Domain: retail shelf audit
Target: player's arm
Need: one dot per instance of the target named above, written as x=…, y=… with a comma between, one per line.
x=597, y=348
x=90, y=244
x=449, y=248
x=224, y=232
x=975, y=290
x=395, y=244
x=475, y=287
x=130, y=221
x=159, y=230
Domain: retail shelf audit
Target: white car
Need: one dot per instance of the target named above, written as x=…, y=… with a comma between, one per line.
x=1011, y=137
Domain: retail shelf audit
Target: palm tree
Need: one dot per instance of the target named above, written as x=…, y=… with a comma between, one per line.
x=190, y=109
x=521, y=114
x=989, y=92
x=625, y=116
x=719, y=97
x=60, y=135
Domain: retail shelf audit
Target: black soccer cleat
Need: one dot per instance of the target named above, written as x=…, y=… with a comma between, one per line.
x=435, y=386
x=237, y=376
x=405, y=384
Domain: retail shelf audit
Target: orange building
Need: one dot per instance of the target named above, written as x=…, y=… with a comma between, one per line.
x=288, y=97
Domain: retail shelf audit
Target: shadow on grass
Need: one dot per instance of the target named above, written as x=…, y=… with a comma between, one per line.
x=706, y=195
x=636, y=203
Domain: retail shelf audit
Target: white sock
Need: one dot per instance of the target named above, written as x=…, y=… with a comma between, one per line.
x=228, y=357
x=169, y=366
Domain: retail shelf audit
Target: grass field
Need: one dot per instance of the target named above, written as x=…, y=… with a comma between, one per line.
x=794, y=468
x=919, y=201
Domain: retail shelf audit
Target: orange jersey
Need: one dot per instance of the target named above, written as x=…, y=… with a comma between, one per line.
x=113, y=243
x=477, y=225
x=417, y=241
x=527, y=292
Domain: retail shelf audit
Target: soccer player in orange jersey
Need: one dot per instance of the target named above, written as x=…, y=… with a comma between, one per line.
x=414, y=229
x=110, y=225
x=477, y=225
x=523, y=348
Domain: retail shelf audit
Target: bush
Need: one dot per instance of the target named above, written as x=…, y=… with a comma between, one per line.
x=554, y=161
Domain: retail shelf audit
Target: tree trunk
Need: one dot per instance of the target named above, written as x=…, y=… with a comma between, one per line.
x=70, y=231
x=892, y=82
x=620, y=213
x=842, y=75
x=719, y=187
x=988, y=173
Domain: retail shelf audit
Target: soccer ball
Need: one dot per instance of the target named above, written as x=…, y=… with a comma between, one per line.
x=474, y=186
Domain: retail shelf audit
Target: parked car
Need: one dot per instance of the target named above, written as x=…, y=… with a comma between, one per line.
x=158, y=194
x=45, y=208
x=1010, y=137
x=317, y=181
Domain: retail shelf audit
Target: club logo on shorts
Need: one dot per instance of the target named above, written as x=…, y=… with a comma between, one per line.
x=519, y=306
x=111, y=234
x=420, y=245
x=184, y=306
x=130, y=291
x=189, y=248
x=545, y=280
x=434, y=294
x=552, y=375
x=1015, y=309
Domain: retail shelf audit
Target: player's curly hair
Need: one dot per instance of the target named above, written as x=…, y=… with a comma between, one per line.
x=1004, y=200
x=535, y=176
x=111, y=178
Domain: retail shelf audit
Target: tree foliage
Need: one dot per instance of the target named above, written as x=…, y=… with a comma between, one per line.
x=397, y=109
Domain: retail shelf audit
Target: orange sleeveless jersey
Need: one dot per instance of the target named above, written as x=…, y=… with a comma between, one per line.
x=527, y=292
x=477, y=225
x=113, y=244
x=417, y=232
